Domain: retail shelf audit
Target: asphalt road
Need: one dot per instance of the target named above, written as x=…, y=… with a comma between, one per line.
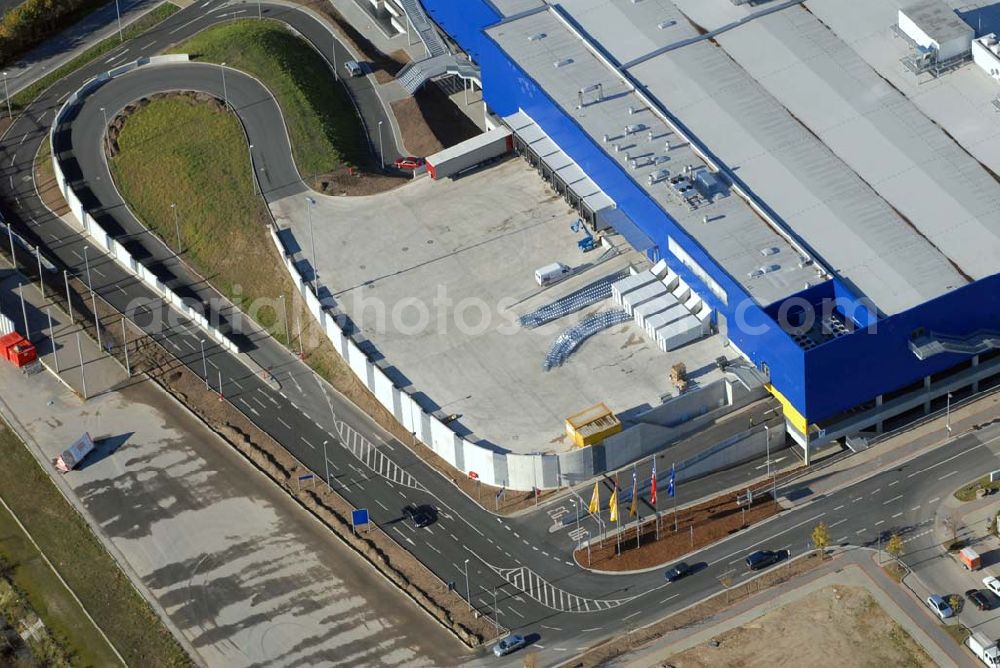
x=538, y=590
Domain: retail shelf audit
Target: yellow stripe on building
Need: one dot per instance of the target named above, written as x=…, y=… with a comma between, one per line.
x=794, y=417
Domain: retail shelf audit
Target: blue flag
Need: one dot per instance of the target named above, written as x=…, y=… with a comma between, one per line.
x=670, y=484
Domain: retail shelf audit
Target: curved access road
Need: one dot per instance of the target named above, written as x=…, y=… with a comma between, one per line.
x=509, y=568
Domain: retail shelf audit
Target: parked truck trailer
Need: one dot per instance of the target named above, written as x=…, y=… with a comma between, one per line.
x=469, y=153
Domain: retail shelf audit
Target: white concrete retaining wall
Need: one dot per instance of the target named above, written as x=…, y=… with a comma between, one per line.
x=97, y=233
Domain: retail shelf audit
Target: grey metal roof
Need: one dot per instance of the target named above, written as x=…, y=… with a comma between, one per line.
x=936, y=19
x=936, y=186
x=861, y=173
x=513, y=7
x=735, y=236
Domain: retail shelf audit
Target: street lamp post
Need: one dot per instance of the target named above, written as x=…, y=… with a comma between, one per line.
x=105, y=134
x=468, y=592
x=253, y=171
x=326, y=465
x=577, y=507
x=496, y=613
x=260, y=10
x=947, y=414
x=284, y=316
x=312, y=240
x=225, y=95
x=118, y=11
x=204, y=364
x=6, y=95
x=381, y=155
x=333, y=50
x=86, y=264
x=177, y=227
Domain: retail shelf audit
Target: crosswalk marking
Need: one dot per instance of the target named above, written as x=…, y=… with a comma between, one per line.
x=375, y=459
x=527, y=581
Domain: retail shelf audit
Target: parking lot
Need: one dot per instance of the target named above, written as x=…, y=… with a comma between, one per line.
x=436, y=275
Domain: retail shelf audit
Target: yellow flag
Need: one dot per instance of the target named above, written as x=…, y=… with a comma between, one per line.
x=613, y=504
x=595, y=501
x=634, y=508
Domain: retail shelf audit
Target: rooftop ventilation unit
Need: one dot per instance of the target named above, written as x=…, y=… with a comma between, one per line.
x=593, y=88
x=562, y=62
x=663, y=25
x=537, y=36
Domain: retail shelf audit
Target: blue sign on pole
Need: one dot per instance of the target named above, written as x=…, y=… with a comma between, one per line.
x=359, y=517
x=307, y=476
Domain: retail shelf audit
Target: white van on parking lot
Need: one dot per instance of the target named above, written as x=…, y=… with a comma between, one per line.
x=551, y=273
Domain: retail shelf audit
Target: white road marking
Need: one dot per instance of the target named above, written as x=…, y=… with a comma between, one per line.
x=880, y=522
x=303, y=440
x=838, y=507
x=914, y=508
x=384, y=507
x=947, y=475
x=515, y=612
x=896, y=515
x=838, y=522
x=634, y=614
x=894, y=482
x=935, y=499
x=750, y=547
x=283, y=423
x=895, y=498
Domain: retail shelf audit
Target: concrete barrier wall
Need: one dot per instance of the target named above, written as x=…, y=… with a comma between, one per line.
x=731, y=452
x=101, y=236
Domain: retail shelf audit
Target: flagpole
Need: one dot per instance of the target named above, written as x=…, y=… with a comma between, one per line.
x=673, y=480
x=656, y=499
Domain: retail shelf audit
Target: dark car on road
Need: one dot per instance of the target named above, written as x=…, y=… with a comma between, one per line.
x=764, y=558
x=418, y=516
x=978, y=599
x=680, y=570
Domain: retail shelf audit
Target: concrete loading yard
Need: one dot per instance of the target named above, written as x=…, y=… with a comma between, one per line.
x=438, y=282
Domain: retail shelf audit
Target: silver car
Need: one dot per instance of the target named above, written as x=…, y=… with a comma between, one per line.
x=509, y=644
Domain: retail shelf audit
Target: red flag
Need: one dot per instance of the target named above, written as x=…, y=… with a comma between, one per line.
x=652, y=493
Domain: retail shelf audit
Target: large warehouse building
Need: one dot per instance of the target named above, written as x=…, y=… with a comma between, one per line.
x=844, y=229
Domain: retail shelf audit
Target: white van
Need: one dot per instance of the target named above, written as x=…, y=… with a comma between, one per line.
x=984, y=648
x=551, y=273
x=353, y=68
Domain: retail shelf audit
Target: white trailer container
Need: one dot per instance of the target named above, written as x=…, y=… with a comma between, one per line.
x=651, y=308
x=984, y=648
x=630, y=283
x=680, y=333
x=663, y=319
x=638, y=297
x=469, y=153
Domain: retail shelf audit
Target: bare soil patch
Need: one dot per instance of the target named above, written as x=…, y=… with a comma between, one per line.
x=855, y=630
x=695, y=527
x=634, y=638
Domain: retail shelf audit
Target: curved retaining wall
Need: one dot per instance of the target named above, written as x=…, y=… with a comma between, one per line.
x=96, y=232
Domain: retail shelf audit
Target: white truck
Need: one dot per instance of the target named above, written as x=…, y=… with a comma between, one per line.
x=984, y=648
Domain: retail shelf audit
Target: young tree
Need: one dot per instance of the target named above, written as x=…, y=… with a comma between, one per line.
x=894, y=548
x=821, y=538
x=955, y=601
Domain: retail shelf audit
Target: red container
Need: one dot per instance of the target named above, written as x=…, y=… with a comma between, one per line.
x=17, y=350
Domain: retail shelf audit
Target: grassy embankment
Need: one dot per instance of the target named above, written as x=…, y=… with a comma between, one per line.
x=66, y=539
x=192, y=154
x=325, y=132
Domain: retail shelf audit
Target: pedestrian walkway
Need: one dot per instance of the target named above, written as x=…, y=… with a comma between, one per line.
x=63, y=347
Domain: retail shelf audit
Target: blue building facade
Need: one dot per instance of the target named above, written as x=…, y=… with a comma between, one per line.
x=816, y=384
